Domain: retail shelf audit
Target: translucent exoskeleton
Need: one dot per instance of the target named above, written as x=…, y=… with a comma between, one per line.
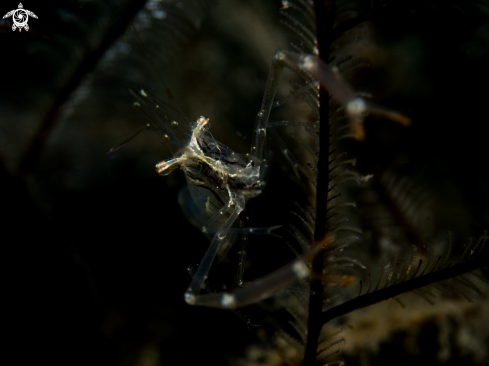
x=221, y=181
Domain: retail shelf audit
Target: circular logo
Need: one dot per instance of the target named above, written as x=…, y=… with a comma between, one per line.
x=20, y=18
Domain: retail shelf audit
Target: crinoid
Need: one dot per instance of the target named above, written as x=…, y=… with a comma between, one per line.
x=220, y=183
x=351, y=209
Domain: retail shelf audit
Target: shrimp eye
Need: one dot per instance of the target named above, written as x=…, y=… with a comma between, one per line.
x=203, y=121
x=165, y=167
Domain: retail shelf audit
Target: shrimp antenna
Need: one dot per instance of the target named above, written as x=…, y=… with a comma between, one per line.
x=148, y=57
x=176, y=109
x=122, y=144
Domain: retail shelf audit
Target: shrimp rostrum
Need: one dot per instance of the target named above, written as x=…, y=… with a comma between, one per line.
x=220, y=183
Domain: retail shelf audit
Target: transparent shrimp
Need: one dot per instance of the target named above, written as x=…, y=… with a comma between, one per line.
x=220, y=182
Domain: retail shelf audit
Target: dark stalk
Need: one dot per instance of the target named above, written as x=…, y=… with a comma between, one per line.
x=324, y=11
x=396, y=290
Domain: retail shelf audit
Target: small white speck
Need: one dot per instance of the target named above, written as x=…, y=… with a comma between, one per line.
x=159, y=14
x=300, y=269
x=307, y=62
x=189, y=298
x=356, y=107
x=228, y=301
